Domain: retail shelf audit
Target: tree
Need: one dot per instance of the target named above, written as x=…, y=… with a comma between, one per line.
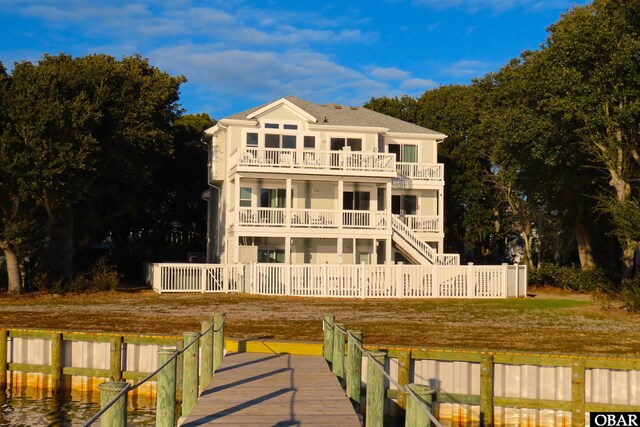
x=80, y=135
x=593, y=53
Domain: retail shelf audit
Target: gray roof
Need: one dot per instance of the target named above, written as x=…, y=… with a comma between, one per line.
x=340, y=115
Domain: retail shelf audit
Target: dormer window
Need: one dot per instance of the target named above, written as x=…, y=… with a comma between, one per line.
x=272, y=126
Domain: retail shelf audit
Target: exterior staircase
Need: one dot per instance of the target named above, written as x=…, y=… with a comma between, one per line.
x=416, y=249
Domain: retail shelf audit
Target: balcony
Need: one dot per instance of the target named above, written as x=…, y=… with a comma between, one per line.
x=410, y=173
x=422, y=223
x=311, y=218
x=314, y=162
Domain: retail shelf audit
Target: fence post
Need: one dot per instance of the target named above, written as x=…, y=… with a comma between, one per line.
x=190, y=373
x=505, y=273
x=115, y=359
x=415, y=415
x=486, y=390
x=206, y=355
x=166, y=398
x=577, y=393
x=327, y=350
x=338, y=352
x=156, y=277
x=398, y=269
x=218, y=339
x=116, y=415
x=4, y=335
x=375, y=389
x=470, y=284
x=203, y=279
x=404, y=364
x=354, y=367
x=56, y=362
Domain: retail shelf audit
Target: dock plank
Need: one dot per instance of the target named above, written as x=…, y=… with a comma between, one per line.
x=259, y=389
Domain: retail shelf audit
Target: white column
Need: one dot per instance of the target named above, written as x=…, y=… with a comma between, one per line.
x=440, y=213
x=236, y=211
x=287, y=203
x=389, y=258
x=287, y=250
x=339, y=249
x=374, y=253
x=339, y=200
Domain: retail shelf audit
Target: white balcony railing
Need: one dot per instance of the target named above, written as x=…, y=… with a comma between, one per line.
x=317, y=160
x=311, y=218
x=420, y=171
x=422, y=223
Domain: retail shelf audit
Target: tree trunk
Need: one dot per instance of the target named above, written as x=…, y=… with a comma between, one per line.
x=13, y=268
x=58, y=255
x=585, y=251
x=527, y=235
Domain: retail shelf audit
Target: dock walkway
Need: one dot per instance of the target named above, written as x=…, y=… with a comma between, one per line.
x=259, y=389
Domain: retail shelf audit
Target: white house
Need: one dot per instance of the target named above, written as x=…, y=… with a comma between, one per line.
x=296, y=182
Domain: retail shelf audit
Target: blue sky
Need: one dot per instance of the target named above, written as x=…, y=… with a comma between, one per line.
x=239, y=54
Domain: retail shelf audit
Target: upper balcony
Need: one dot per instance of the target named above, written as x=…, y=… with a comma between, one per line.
x=314, y=162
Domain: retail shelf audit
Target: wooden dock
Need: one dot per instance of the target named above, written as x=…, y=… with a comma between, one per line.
x=259, y=389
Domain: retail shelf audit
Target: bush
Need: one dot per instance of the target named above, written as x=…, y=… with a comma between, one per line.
x=104, y=277
x=630, y=295
x=571, y=278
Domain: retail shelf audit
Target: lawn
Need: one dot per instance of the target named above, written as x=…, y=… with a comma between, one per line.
x=545, y=323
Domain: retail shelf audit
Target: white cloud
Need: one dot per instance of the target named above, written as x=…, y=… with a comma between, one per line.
x=497, y=5
x=415, y=83
x=389, y=73
x=468, y=68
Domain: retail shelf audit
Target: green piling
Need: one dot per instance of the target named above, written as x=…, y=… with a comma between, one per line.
x=190, y=373
x=375, y=389
x=116, y=415
x=166, y=394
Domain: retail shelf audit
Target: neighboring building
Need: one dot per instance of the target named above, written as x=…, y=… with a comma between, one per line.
x=301, y=183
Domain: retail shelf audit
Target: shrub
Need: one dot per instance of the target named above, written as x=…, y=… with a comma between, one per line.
x=572, y=278
x=630, y=295
x=104, y=277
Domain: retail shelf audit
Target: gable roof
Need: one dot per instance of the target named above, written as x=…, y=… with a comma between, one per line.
x=339, y=115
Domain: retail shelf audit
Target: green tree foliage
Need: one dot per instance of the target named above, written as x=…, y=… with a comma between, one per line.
x=81, y=140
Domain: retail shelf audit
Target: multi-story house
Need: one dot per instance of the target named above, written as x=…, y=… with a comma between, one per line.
x=302, y=183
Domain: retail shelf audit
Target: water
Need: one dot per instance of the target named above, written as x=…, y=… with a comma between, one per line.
x=50, y=411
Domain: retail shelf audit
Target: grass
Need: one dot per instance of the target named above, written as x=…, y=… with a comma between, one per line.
x=547, y=323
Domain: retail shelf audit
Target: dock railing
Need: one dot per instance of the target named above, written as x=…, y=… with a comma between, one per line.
x=209, y=344
x=416, y=399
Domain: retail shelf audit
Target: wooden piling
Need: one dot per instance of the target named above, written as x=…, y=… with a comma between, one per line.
x=327, y=350
x=338, y=352
x=375, y=390
x=415, y=416
x=354, y=367
x=404, y=364
x=486, y=390
x=218, y=340
x=4, y=335
x=577, y=393
x=116, y=415
x=206, y=355
x=115, y=359
x=166, y=394
x=190, y=373
x=56, y=362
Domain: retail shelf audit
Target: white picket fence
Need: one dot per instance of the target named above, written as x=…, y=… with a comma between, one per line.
x=345, y=281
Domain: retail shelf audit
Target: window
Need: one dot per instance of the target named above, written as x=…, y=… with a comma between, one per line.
x=280, y=141
x=355, y=144
x=289, y=141
x=356, y=200
x=272, y=126
x=404, y=153
x=252, y=139
x=245, y=197
x=271, y=255
x=410, y=153
x=290, y=127
x=404, y=204
x=309, y=142
x=273, y=197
